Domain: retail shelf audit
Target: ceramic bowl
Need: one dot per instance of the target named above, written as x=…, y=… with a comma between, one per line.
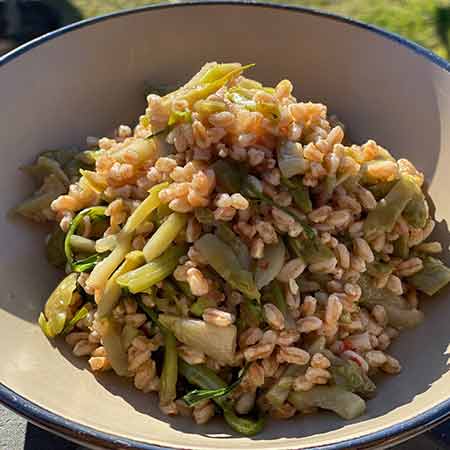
x=86, y=78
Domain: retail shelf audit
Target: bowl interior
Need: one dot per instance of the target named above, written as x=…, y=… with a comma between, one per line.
x=94, y=77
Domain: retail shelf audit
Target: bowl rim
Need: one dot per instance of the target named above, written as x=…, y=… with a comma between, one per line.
x=81, y=433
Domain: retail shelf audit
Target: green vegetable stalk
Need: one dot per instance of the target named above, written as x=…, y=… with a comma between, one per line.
x=250, y=314
x=201, y=304
x=143, y=211
x=228, y=176
x=198, y=395
x=218, y=343
x=205, y=378
x=53, y=320
x=79, y=315
x=169, y=375
x=164, y=236
x=225, y=234
x=390, y=208
x=279, y=392
x=140, y=279
x=94, y=213
x=302, y=199
x=55, y=248
x=350, y=376
x=334, y=398
x=113, y=291
x=311, y=250
x=251, y=188
x=399, y=314
x=416, y=212
x=271, y=264
x=112, y=341
x=103, y=270
x=224, y=261
x=290, y=159
x=276, y=296
x=432, y=278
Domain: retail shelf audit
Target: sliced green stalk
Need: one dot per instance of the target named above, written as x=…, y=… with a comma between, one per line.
x=79, y=315
x=399, y=314
x=112, y=341
x=301, y=198
x=162, y=211
x=218, y=343
x=250, y=314
x=87, y=264
x=290, y=159
x=179, y=117
x=380, y=190
x=93, y=213
x=228, y=176
x=95, y=181
x=144, y=210
x=251, y=188
x=276, y=296
x=32, y=208
x=432, y=278
x=207, y=88
x=270, y=265
x=183, y=286
x=416, y=212
x=54, y=248
x=103, y=270
x=334, y=398
x=201, y=304
x=56, y=308
x=139, y=280
x=350, y=376
x=318, y=345
x=207, y=107
x=106, y=244
x=223, y=260
x=141, y=150
x=390, y=208
x=401, y=248
x=199, y=395
x=311, y=250
x=202, y=376
x=113, y=291
x=219, y=71
x=243, y=425
x=279, y=392
x=45, y=166
x=403, y=318
x=204, y=215
x=82, y=244
x=169, y=375
x=164, y=236
x=224, y=233
x=129, y=332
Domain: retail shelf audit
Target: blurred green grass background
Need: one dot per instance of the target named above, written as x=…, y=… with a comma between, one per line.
x=426, y=22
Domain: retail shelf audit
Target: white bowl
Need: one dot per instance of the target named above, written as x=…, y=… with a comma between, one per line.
x=88, y=77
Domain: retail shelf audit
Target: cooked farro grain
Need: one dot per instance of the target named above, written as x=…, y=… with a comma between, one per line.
x=250, y=227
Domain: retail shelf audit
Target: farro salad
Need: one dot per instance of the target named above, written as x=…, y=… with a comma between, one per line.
x=236, y=254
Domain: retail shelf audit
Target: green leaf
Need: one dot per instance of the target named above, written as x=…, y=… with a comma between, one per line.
x=87, y=264
x=79, y=315
x=94, y=213
x=178, y=117
x=55, y=248
x=198, y=395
